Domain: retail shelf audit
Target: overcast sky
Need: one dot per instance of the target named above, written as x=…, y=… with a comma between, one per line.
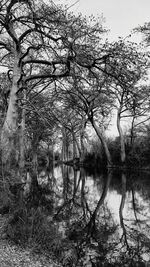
x=121, y=15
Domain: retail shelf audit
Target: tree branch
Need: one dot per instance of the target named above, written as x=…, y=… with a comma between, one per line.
x=46, y=75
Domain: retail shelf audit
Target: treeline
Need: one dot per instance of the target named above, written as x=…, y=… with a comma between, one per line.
x=137, y=153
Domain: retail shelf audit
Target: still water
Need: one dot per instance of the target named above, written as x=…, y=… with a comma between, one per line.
x=105, y=217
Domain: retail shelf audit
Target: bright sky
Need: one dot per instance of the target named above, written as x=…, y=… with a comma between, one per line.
x=121, y=15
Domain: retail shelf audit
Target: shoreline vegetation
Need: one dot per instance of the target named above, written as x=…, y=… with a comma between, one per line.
x=15, y=255
x=113, y=167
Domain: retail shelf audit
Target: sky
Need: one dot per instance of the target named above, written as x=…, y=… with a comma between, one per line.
x=121, y=16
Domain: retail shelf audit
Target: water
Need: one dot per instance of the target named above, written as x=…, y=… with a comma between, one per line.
x=105, y=217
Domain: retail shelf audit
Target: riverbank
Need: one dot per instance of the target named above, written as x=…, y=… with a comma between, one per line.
x=12, y=255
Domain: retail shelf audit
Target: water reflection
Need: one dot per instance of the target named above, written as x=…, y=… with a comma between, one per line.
x=105, y=217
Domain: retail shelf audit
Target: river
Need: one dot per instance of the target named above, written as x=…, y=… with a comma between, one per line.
x=105, y=216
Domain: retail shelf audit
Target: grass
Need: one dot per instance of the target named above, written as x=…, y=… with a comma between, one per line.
x=12, y=255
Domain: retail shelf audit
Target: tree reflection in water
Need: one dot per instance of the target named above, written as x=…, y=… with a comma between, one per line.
x=96, y=233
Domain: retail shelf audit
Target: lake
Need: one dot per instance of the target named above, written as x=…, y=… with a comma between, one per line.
x=104, y=216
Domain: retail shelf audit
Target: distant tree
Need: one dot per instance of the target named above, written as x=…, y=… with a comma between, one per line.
x=130, y=68
x=93, y=103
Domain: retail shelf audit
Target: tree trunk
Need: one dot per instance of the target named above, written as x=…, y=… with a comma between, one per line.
x=22, y=140
x=122, y=141
x=53, y=159
x=74, y=146
x=64, y=151
x=9, y=134
x=34, y=160
x=82, y=148
x=65, y=175
x=78, y=147
x=82, y=142
x=104, y=143
x=64, y=146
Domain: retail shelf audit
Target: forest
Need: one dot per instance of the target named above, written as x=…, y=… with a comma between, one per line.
x=63, y=84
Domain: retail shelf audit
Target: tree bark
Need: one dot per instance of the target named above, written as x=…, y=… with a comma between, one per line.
x=9, y=134
x=34, y=158
x=53, y=159
x=82, y=142
x=78, y=147
x=74, y=146
x=22, y=139
x=104, y=143
x=122, y=141
x=64, y=146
